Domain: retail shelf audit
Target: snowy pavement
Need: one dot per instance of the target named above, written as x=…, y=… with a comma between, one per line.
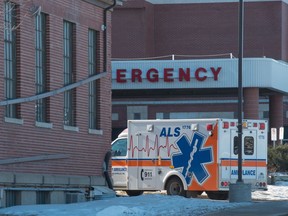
x=154, y=204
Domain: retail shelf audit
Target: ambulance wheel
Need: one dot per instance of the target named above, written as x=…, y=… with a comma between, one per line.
x=134, y=192
x=175, y=187
x=218, y=195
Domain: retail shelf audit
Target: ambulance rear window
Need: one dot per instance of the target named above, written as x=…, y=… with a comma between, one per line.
x=235, y=145
x=249, y=145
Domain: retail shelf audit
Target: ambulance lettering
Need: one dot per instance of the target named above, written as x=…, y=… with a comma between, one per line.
x=168, y=132
x=146, y=174
x=192, y=158
x=244, y=172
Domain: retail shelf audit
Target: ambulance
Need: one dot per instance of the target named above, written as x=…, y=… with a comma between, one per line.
x=189, y=156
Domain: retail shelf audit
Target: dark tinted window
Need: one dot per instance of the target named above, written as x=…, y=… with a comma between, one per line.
x=235, y=145
x=248, y=145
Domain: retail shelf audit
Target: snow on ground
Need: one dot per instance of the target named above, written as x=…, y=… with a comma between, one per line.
x=279, y=191
x=148, y=204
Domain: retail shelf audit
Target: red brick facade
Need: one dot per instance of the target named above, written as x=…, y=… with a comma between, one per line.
x=199, y=29
x=83, y=152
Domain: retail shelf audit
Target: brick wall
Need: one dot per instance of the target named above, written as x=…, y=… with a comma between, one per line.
x=199, y=29
x=133, y=30
x=84, y=151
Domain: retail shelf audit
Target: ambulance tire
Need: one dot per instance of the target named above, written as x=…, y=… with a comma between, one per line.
x=174, y=186
x=134, y=192
x=218, y=195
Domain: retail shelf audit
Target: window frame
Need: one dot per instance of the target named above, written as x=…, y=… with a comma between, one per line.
x=41, y=76
x=94, y=86
x=10, y=55
x=69, y=109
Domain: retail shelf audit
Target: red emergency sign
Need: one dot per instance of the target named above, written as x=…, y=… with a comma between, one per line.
x=168, y=74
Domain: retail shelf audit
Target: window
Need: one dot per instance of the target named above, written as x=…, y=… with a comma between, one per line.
x=137, y=112
x=43, y=197
x=10, y=50
x=69, y=74
x=248, y=145
x=266, y=114
x=13, y=198
x=165, y=115
x=137, y=116
x=115, y=116
x=187, y=115
x=235, y=146
x=94, y=109
x=41, y=77
x=119, y=148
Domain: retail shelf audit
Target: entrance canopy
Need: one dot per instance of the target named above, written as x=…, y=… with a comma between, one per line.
x=199, y=74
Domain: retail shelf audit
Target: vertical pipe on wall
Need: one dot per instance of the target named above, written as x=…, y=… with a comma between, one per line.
x=105, y=34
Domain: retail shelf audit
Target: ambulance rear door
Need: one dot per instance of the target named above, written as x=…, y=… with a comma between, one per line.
x=249, y=155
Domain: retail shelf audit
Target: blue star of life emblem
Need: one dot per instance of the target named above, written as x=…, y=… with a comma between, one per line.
x=192, y=158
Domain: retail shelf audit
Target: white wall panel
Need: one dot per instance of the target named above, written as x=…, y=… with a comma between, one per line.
x=257, y=72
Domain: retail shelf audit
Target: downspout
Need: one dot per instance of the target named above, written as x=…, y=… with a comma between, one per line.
x=105, y=34
x=108, y=154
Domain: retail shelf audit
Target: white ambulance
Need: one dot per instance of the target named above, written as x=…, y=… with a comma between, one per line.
x=187, y=157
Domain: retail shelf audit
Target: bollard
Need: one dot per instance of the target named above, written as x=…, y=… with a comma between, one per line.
x=240, y=192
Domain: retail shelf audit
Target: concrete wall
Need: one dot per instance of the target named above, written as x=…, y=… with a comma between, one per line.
x=59, y=189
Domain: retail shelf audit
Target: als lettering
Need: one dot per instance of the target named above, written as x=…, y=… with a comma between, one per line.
x=169, y=132
x=192, y=158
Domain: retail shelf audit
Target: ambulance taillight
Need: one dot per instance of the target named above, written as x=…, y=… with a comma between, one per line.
x=225, y=184
x=262, y=126
x=261, y=184
x=225, y=125
x=209, y=127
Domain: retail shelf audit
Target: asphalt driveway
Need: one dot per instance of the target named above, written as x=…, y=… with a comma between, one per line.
x=261, y=208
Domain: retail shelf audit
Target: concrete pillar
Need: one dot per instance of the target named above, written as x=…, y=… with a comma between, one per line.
x=251, y=103
x=276, y=111
x=240, y=192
